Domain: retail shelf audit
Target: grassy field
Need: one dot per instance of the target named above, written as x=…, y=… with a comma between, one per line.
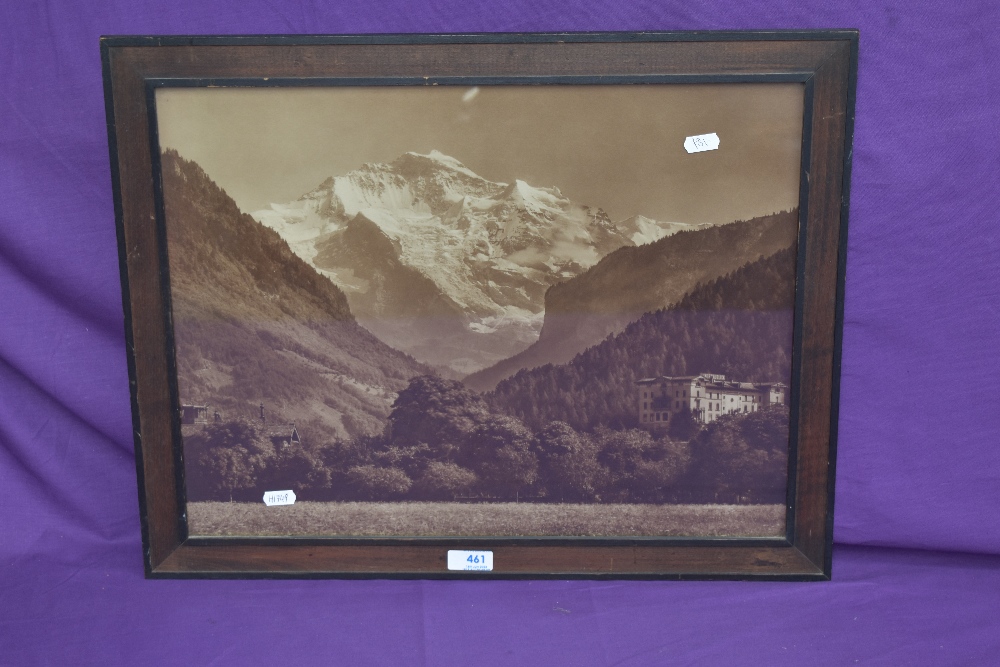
x=461, y=519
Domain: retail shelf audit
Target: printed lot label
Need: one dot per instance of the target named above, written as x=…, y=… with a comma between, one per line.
x=470, y=561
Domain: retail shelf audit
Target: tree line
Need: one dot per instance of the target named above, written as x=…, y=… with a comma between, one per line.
x=443, y=442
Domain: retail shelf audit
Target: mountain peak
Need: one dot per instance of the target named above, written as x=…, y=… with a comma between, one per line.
x=521, y=193
x=440, y=159
x=483, y=252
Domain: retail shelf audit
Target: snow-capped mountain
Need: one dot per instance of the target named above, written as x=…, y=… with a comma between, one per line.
x=642, y=230
x=442, y=263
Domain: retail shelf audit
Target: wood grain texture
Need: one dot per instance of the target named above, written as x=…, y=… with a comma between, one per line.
x=141, y=251
x=819, y=317
x=826, y=60
x=508, y=560
x=449, y=60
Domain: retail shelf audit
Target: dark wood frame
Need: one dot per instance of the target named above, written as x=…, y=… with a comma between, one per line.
x=825, y=61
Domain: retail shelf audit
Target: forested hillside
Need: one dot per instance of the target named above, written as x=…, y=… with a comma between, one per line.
x=632, y=281
x=739, y=325
x=255, y=324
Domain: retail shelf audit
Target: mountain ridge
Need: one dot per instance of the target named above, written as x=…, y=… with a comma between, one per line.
x=492, y=249
x=635, y=280
x=254, y=324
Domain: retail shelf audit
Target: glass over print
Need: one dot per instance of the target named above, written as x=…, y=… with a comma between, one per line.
x=483, y=310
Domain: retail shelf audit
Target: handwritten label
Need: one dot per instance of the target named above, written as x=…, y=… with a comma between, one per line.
x=474, y=561
x=702, y=142
x=272, y=498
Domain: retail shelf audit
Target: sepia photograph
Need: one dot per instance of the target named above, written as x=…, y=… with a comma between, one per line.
x=497, y=310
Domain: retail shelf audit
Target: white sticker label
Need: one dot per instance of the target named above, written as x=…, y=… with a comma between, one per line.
x=272, y=498
x=479, y=561
x=702, y=142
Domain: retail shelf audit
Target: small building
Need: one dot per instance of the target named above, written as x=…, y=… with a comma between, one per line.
x=282, y=435
x=194, y=414
x=707, y=397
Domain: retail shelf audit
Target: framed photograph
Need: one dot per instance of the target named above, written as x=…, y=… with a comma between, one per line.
x=510, y=305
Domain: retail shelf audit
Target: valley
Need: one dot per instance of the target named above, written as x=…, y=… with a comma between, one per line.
x=443, y=264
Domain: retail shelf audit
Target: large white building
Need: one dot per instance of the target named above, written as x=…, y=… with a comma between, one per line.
x=707, y=397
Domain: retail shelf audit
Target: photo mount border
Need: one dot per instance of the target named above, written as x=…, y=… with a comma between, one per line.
x=130, y=83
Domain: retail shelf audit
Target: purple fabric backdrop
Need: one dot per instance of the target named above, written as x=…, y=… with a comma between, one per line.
x=918, y=471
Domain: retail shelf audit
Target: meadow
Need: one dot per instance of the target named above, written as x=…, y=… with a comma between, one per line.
x=483, y=519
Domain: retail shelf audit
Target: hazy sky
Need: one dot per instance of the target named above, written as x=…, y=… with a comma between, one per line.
x=617, y=147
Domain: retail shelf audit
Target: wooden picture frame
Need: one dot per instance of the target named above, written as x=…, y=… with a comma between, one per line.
x=824, y=63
